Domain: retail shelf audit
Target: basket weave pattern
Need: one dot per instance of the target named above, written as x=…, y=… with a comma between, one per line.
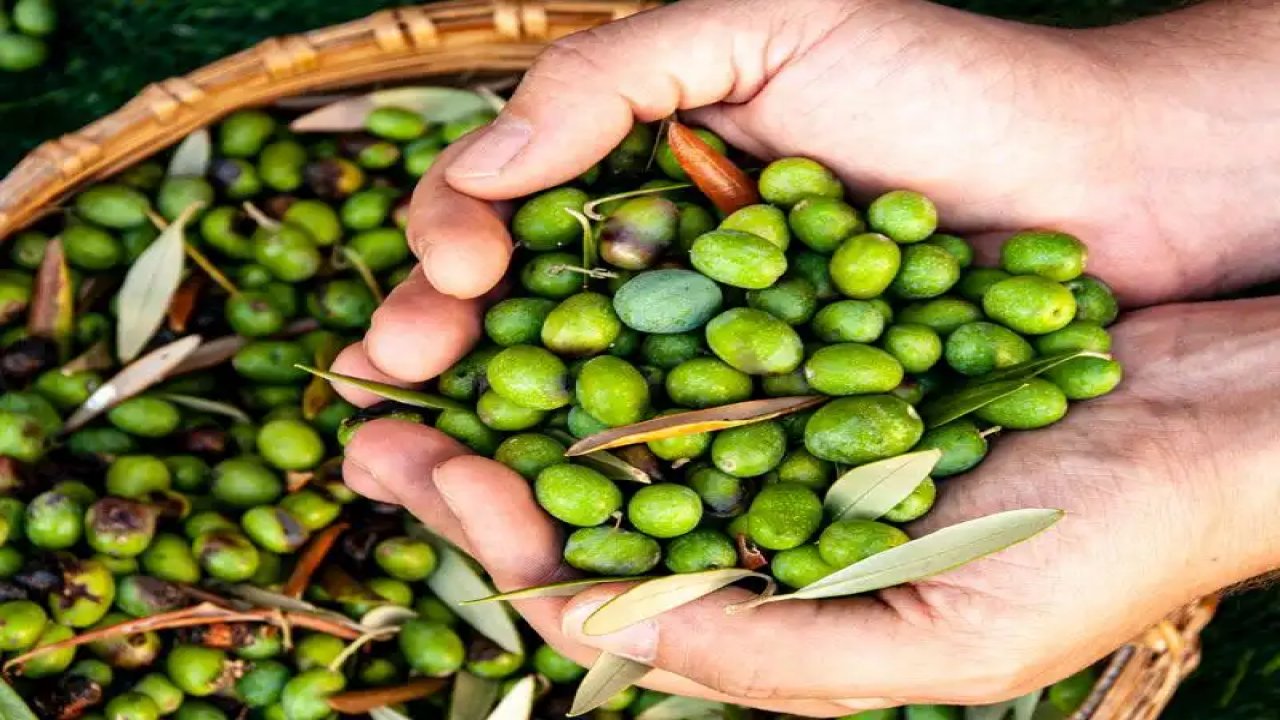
x=460, y=38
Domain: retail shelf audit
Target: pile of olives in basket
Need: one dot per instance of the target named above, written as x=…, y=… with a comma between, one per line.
x=175, y=537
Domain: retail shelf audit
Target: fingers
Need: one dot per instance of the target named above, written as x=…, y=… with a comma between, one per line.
x=354, y=361
x=582, y=95
x=462, y=242
x=419, y=331
x=391, y=461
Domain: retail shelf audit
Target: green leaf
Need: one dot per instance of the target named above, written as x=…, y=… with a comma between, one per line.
x=654, y=597
x=869, y=491
x=390, y=392
x=149, y=287
x=966, y=400
x=472, y=697
x=608, y=676
x=455, y=582
x=517, y=704
x=1031, y=368
x=138, y=376
x=209, y=406
x=567, y=588
x=192, y=156
x=678, y=707
x=1024, y=708
x=12, y=706
x=435, y=104
x=930, y=555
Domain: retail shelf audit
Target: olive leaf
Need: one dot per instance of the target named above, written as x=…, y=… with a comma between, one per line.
x=387, y=616
x=678, y=707
x=149, y=287
x=1022, y=708
x=590, y=208
x=938, y=552
x=209, y=406
x=472, y=697
x=694, y=422
x=52, y=313
x=96, y=357
x=614, y=467
x=869, y=491
x=191, y=157
x=567, y=588
x=219, y=350
x=654, y=597
x=360, y=702
x=455, y=582
x=133, y=379
x=517, y=704
x=966, y=400
x=388, y=392
x=263, y=598
x=12, y=706
x=386, y=713
x=1031, y=368
x=435, y=104
x=609, y=675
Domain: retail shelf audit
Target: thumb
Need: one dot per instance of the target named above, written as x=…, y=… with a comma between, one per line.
x=585, y=91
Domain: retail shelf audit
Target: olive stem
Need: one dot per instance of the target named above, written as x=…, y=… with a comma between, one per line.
x=210, y=269
x=364, y=272
x=990, y=431
x=594, y=273
x=262, y=219
x=590, y=208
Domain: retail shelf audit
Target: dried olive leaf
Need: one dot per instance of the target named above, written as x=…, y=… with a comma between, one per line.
x=52, y=313
x=360, y=702
x=654, y=597
x=694, y=422
x=517, y=704
x=472, y=697
x=561, y=589
x=614, y=467
x=192, y=156
x=938, y=552
x=149, y=287
x=590, y=208
x=435, y=104
x=455, y=582
x=1031, y=368
x=209, y=406
x=12, y=706
x=219, y=350
x=263, y=598
x=389, y=392
x=387, y=616
x=96, y=357
x=869, y=491
x=678, y=707
x=608, y=676
x=966, y=400
x=138, y=376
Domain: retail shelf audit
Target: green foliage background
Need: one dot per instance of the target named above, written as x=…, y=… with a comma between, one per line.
x=108, y=49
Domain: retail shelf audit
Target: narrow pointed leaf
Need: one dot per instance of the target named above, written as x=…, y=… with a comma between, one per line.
x=435, y=104
x=472, y=697
x=678, y=707
x=694, y=422
x=219, y=350
x=192, y=156
x=386, y=713
x=567, y=588
x=869, y=491
x=455, y=582
x=319, y=393
x=12, y=706
x=608, y=676
x=936, y=553
x=138, y=376
x=359, y=702
x=53, y=304
x=209, y=406
x=1024, y=708
x=654, y=597
x=517, y=704
x=389, y=392
x=149, y=287
x=1031, y=368
x=614, y=467
x=956, y=405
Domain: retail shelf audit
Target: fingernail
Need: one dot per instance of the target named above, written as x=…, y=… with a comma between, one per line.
x=495, y=147
x=638, y=642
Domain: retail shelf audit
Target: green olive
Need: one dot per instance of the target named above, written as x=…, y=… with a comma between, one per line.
x=583, y=324
x=905, y=216
x=857, y=430
x=612, y=552
x=852, y=369
x=865, y=265
x=845, y=542
x=738, y=258
x=784, y=516
x=665, y=510
x=577, y=495
x=787, y=181
x=749, y=450
x=612, y=391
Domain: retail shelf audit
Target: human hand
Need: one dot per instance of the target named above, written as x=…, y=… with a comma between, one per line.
x=1166, y=484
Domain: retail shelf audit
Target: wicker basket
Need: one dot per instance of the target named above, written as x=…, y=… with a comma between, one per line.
x=448, y=41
